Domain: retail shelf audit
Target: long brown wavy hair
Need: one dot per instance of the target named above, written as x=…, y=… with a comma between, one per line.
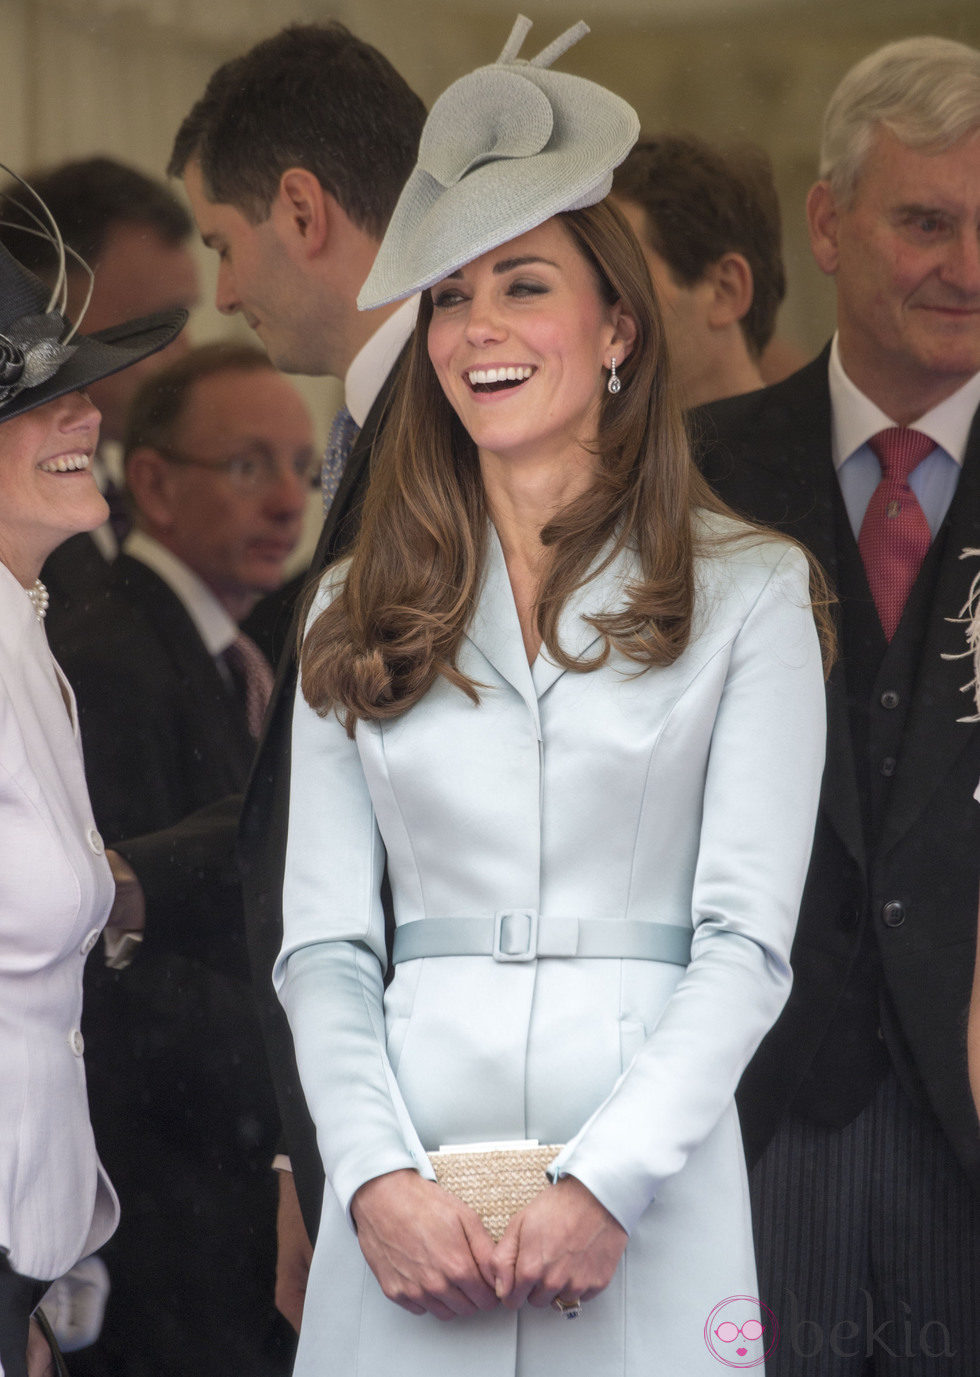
x=414, y=575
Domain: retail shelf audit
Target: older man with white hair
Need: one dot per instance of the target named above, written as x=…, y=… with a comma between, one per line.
x=857, y=1107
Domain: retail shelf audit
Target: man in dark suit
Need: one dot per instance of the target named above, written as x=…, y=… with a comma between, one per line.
x=857, y=1107
x=219, y=458
x=293, y=160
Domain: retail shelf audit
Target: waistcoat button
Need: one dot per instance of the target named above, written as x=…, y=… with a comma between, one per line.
x=893, y=913
x=890, y=699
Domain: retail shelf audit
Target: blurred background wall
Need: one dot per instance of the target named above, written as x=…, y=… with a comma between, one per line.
x=117, y=76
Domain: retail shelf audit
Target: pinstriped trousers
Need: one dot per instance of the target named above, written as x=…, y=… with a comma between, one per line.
x=868, y=1246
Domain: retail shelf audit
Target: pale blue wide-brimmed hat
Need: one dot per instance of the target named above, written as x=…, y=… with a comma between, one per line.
x=503, y=150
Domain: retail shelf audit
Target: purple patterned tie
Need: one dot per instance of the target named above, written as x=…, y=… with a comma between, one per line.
x=244, y=656
x=344, y=430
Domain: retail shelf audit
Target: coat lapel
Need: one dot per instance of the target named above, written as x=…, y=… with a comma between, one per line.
x=934, y=736
x=340, y=523
x=785, y=478
x=226, y=744
x=603, y=591
x=495, y=627
x=820, y=512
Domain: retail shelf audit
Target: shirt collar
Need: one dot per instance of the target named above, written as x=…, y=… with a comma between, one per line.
x=375, y=360
x=856, y=417
x=214, y=625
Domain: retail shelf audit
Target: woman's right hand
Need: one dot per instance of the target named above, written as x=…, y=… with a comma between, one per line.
x=429, y=1251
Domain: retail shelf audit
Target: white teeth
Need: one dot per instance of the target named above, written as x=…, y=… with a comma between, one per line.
x=478, y=376
x=65, y=463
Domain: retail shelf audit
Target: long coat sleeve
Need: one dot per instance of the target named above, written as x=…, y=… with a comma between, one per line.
x=683, y=795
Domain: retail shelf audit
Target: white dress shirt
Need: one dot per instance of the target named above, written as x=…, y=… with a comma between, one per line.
x=375, y=360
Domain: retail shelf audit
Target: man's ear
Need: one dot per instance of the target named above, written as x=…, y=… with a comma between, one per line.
x=302, y=210
x=730, y=279
x=823, y=218
x=150, y=480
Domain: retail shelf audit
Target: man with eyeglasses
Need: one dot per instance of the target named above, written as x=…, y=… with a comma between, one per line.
x=219, y=459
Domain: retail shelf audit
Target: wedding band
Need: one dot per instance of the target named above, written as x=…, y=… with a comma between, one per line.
x=568, y=1310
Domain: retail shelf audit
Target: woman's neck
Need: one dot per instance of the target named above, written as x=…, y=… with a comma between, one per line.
x=522, y=500
x=24, y=569
x=523, y=497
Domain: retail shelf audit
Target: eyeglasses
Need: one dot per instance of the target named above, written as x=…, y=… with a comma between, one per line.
x=253, y=470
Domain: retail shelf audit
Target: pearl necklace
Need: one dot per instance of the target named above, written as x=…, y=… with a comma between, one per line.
x=39, y=596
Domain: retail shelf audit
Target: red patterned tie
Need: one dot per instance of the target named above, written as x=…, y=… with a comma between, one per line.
x=248, y=659
x=895, y=535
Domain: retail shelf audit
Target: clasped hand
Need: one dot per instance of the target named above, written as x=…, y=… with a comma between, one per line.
x=431, y=1253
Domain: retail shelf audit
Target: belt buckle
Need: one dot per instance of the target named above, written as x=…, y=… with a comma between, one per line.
x=515, y=934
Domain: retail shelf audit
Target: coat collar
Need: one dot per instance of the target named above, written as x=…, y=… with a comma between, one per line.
x=164, y=616
x=495, y=628
x=779, y=472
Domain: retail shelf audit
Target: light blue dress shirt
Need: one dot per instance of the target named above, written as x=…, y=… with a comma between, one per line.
x=856, y=419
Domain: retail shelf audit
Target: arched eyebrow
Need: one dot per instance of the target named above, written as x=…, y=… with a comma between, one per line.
x=506, y=265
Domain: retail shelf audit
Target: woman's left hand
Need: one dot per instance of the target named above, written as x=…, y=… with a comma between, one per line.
x=565, y=1243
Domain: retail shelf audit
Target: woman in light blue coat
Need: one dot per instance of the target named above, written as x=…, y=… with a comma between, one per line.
x=575, y=710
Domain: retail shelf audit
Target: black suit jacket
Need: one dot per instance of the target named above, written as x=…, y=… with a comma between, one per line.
x=262, y=834
x=153, y=708
x=182, y=1104
x=769, y=456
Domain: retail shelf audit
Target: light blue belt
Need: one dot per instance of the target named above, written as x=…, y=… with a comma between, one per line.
x=521, y=934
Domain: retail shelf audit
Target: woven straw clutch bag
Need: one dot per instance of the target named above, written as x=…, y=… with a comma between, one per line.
x=495, y=1179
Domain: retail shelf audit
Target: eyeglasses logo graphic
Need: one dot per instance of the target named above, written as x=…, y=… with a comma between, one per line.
x=741, y=1332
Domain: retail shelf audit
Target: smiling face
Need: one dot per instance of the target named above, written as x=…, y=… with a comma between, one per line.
x=521, y=341
x=47, y=492
x=906, y=256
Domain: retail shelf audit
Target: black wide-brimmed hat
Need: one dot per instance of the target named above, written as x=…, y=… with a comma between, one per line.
x=41, y=355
